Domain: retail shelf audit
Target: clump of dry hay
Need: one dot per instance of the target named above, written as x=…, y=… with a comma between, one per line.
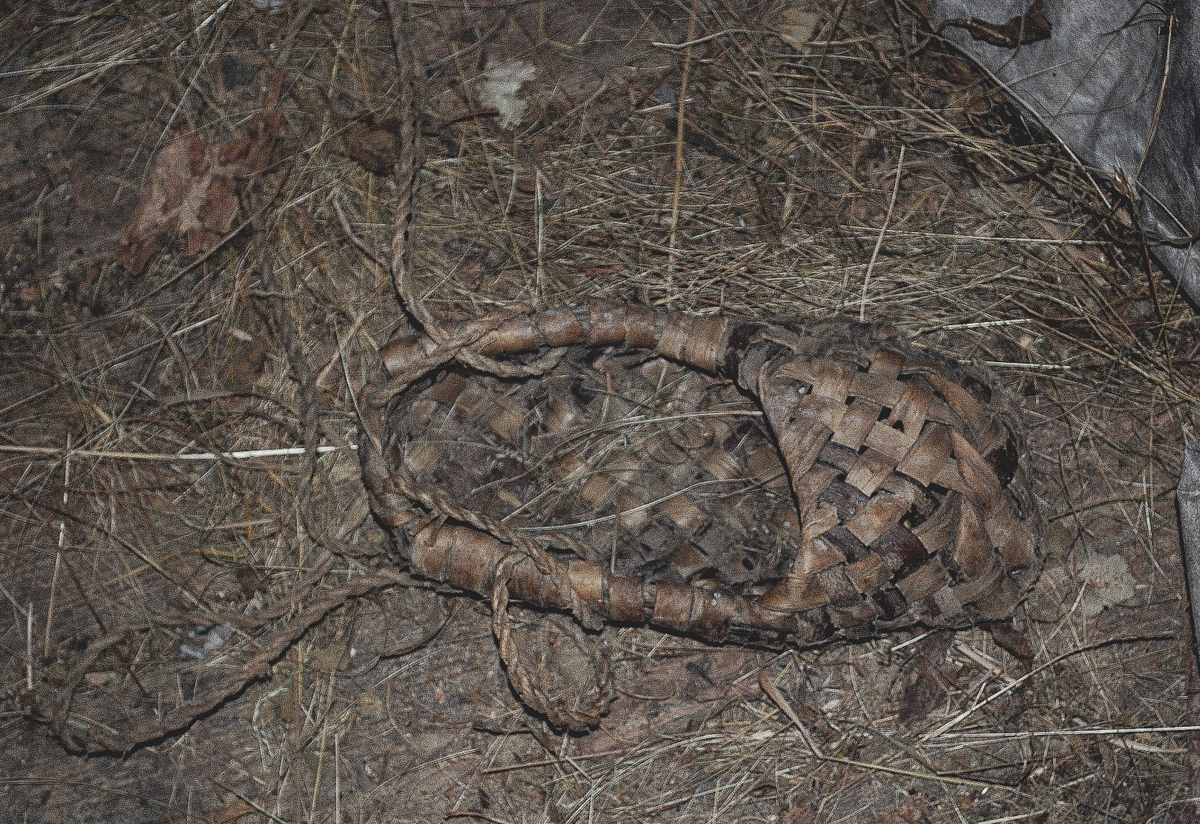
x=866, y=174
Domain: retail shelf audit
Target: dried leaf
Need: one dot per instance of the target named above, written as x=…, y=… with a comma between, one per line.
x=906, y=812
x=252, y=581
x=234, y=812
x=1108, y=581
x=333, y=658
x=100, y=679
x=499, y=85
x=375, y=145
x=924, y=685
x=801, y=813
x=795, y=26
x=715, y=673
x=193, y=190
x=248, y=355
x=923, y=690
x=1011, y=640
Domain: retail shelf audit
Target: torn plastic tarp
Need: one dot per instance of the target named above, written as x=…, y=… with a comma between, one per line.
x=1187, y=495
x=1118, y=82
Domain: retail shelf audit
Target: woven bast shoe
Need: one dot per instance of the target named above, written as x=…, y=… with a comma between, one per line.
x=740, y=481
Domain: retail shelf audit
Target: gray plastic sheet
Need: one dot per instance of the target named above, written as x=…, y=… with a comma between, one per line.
x=1187, y=495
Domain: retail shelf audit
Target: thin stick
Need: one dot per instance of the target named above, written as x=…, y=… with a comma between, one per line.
x=1113, y=731
x=239, y=455
x=699, y=40
x=62, y=542
x=1038, y=367
x=862, y=304
x=29, y=647
x=768, y=685
x=983, y=324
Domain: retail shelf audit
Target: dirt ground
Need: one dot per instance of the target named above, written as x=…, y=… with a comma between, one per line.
x=201, y=625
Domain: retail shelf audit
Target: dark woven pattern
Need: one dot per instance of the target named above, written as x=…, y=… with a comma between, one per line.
x=877, y=488
x=649, y=468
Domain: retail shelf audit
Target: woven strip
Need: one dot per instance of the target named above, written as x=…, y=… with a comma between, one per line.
x=848, y=486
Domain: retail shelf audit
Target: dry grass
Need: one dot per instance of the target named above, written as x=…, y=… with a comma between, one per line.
x=871, y=175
